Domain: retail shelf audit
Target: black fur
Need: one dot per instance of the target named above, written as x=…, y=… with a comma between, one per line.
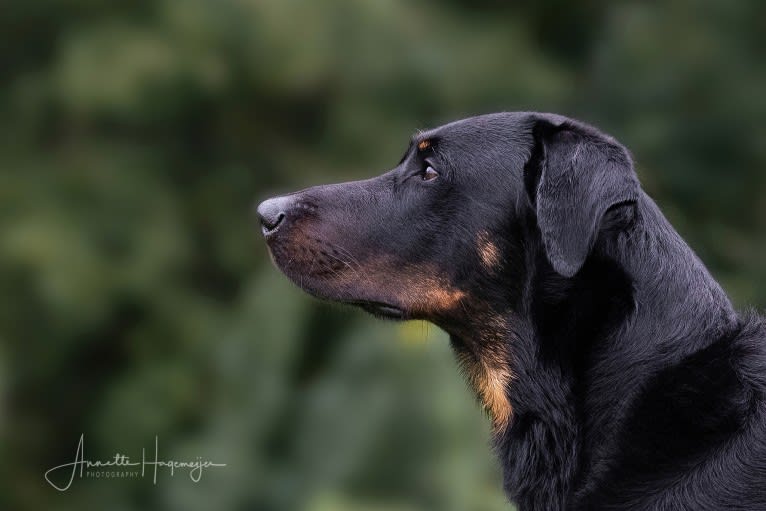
x=628, y=380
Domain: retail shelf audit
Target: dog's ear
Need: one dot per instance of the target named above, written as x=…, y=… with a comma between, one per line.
x=574, y=176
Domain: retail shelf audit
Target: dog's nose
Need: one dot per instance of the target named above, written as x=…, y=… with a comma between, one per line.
x=272, y=213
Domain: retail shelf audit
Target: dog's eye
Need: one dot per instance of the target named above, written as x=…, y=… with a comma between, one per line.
x=429, y=174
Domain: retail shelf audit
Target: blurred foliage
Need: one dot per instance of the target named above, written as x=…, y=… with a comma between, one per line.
x=137, y=296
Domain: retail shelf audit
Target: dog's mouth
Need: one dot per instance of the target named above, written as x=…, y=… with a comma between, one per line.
x=317, y=268
x=380, y=309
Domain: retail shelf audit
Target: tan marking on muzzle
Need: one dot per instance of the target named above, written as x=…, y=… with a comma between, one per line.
x=421, y=289
x=488, y=251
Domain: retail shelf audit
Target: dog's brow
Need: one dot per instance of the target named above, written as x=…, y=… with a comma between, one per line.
x=418, y=140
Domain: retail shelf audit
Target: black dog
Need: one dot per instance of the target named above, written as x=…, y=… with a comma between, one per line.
x=614, y=368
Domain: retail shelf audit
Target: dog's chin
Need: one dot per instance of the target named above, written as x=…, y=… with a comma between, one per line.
x=327, y=291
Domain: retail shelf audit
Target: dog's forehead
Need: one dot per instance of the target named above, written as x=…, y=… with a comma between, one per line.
x=504, y=127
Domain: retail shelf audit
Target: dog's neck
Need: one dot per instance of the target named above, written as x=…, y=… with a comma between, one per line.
x=566, y=341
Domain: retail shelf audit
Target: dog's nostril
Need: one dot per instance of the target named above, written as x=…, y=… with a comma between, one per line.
x=271, y=214
x=273, y=224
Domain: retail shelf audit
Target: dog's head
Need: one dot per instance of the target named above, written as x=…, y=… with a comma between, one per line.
x=450, y=226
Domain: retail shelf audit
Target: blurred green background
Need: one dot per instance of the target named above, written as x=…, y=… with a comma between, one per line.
x=137, y=296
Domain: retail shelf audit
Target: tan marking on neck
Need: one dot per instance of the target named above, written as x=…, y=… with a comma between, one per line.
x=488, y=251
x=490, y=381
x=491, y=386
x=486, y=364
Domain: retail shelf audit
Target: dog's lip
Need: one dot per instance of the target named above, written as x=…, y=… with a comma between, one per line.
x=269, y=233
x=380, y=309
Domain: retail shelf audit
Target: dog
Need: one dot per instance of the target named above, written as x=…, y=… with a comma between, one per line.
x=615, y=371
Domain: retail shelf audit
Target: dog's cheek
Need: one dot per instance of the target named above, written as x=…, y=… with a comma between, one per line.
x=488, y=252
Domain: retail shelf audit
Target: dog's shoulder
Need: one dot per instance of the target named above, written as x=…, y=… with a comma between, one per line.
x=693, y=418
